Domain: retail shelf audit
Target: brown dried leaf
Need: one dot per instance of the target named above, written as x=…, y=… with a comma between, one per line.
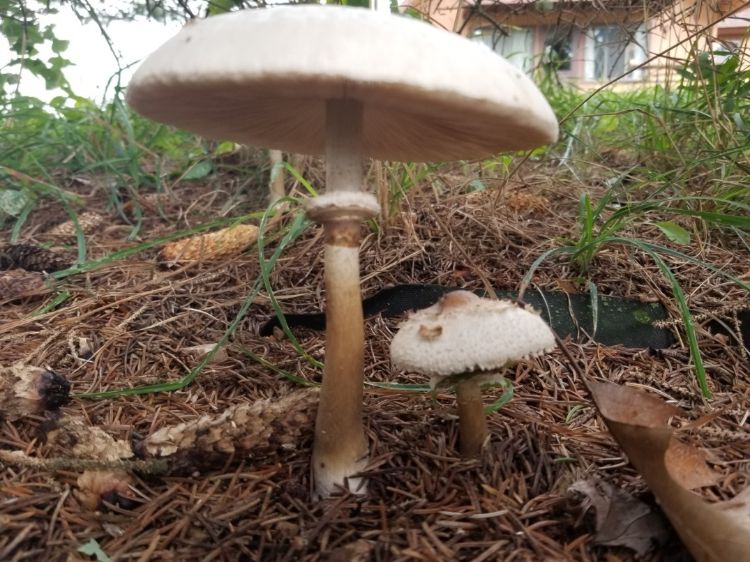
x=715, y=532
x=621, y=519
x=206, y=348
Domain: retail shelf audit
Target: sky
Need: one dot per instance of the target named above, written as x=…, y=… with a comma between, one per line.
x=93, y=62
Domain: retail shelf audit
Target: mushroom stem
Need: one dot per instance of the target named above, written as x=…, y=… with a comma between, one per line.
x=276, y=183
x=472, y=422
x=340, y=448
x=344, y=121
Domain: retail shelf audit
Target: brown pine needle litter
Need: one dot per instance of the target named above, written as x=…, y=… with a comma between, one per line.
x=423, y=502
x=16, y=284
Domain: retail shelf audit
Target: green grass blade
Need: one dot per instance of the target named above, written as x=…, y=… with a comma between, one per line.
x=687, y=317
x=299, y=225
x=56, y=301
x=279, y=371
x=506, y=397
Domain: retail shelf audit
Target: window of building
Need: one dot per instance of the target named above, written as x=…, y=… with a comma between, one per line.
x=558, y=49
x=613, y=50
x=513, y=43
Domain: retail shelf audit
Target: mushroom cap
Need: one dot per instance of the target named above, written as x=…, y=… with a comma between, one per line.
x=463, y=333
x=261, y=77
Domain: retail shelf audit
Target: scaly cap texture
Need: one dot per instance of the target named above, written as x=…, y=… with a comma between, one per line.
x=463, y=333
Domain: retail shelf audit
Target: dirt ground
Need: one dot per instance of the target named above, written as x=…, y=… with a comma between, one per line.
x=423, y=501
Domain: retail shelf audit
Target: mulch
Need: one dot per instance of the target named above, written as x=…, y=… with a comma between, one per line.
x=423, y=501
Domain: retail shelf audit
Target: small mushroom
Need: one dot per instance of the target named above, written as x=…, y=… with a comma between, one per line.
x=302, y=79
x=464, y=340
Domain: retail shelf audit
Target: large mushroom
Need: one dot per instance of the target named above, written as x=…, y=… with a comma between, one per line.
x=347, y=83
x=464, y=340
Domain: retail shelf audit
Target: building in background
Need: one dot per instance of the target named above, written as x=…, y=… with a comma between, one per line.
x=590, y=42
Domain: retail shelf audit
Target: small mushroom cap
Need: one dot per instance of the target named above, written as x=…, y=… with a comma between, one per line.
x=262, y=77
x=463, y=333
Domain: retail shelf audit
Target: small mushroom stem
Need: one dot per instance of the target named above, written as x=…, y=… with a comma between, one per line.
x=276, y=183
x=472, y=422
x=340, y=449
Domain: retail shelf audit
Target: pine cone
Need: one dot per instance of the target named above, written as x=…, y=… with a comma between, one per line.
x=27, y=390
x=18, y=284
x=31, y=258
x=81, y=440
x=89, y=222
x=254, y=427
x=214, y=245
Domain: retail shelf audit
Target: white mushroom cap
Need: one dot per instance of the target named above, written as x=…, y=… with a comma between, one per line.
x=463, y=333
x=261, y=77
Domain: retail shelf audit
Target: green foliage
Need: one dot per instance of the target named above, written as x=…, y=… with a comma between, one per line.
x=41, y=142
x=216, y=7
x=688, y=140
x=683, y=152
x=696, y=129
x=723, y=85
x=600, y=226
x=198, y=171
x=27, y=39
x=674, y=232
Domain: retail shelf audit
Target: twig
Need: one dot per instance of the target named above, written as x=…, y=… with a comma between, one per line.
x=19, y=458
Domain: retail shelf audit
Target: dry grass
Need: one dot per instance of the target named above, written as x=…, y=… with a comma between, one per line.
x=424, y=503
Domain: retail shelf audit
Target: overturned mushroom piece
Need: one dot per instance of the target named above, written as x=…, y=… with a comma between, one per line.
x=463, y=340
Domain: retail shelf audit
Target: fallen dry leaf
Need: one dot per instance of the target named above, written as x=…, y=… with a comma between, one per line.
x=205, y=349
x=621, y=519
x=716, y=532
